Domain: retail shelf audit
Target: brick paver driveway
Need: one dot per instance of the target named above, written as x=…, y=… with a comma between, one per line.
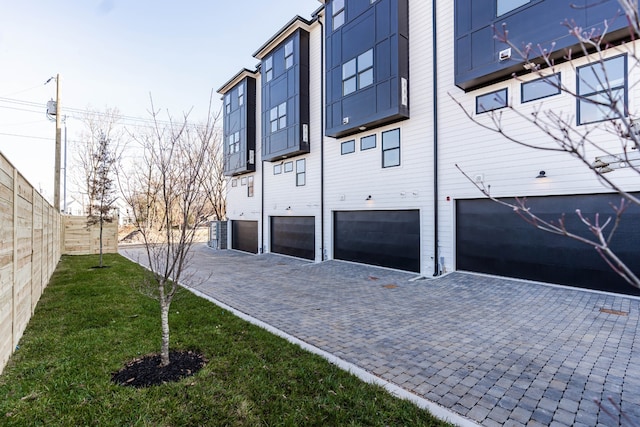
x=493, y=350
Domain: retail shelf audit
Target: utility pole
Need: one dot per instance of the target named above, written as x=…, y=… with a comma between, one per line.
x=56, y=178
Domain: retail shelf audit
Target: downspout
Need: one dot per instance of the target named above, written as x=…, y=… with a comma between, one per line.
x=322, y=95
x=436, y=255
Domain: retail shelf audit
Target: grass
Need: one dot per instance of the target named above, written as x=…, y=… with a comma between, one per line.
x=90, y=322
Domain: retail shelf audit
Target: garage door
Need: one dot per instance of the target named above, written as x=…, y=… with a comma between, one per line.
x=491, y=238
x=294, y=235
x=245, y=236
x=384, y=238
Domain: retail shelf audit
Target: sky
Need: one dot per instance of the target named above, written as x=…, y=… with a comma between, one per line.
x=116, y=54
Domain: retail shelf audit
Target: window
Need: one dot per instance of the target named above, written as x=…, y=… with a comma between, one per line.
x=300, y=173
x=367, y=142
x=277, y=169
x=504, y=6
x=491, y=101
x=234, y=142
x=601, y=86
x=357, y=73
x=288, y=167
x=288, y=54
x=234, y=182
x=540, y=88
x=243, y=181
x=338, y=13
x=348, y=147
x=227, y=103
x=278, y=117
x=268, y=68
x=391, y=148
x=240, y=94
x=250, y=186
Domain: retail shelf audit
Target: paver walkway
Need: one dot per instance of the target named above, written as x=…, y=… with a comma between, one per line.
x=496, y=351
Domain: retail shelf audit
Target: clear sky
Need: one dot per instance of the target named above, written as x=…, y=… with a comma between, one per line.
x=114, y=53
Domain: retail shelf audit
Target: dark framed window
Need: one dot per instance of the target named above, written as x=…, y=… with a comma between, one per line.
x=234, y=142
x=250, y=186
x=601, y=86
x=338, y=14
x=301, y=173
x=268, y=68
x=348, y=147
x=277, y=169
x=357, y=73
x=241, y=94
x=391, y=148
x=227, y=103
x=491, y=101
x=243, y=181
x=367, y=142
x=288, y=54
x=288, y=167
x=505, y=6
x=540, y=88
x=234, y=182
x=278, y=117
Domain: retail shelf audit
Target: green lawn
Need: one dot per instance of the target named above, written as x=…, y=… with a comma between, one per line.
x=90, y=322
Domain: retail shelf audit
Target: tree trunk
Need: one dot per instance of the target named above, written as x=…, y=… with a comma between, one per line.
x=101, y=221
x=164, y=314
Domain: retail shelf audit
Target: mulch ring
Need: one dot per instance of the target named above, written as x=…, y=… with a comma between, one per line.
x=146, y=371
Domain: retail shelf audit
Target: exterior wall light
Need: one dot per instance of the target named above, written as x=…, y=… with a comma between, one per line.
x=288, y=208
x=369, y=197
x=542, y=174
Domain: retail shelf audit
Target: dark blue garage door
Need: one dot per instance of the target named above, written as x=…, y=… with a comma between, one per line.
x=294, y=235
x=491, y=238
x=245, y=236
x=384, y=238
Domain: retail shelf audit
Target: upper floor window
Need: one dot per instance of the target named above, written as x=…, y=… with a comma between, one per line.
x=391, y=148
x=288, y=54
x=357, y=73
x=602, y=90
x=240, y=94
x=540, y=88
x=227, y=103
x=250, y=186
x=268, y=68
x=278, y=117
x=348, y=147
x=338, y=13
x=491, y=101
x=234, y=142
x=301, y=173
x=367, y=142
x=504, y=6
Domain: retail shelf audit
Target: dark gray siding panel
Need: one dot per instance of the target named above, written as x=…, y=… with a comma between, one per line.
x=244, y=236
x=293, y=235
x=384, y=238
x=242, y=119
x=539, y=22
x=493, y=239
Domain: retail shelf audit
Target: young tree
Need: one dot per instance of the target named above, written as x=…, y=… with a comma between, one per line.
x=584, y=143
x=168, y=198
x=101, y=189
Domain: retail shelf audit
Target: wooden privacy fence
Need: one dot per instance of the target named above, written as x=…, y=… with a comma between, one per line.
x=80, y=240
x=29, y=252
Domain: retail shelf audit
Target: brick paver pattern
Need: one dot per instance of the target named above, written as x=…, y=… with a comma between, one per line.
x=494, y=350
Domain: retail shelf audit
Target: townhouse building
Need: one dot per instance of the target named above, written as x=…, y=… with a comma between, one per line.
x=349, y=139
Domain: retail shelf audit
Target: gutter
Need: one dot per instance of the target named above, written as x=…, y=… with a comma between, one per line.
x=436, y=196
